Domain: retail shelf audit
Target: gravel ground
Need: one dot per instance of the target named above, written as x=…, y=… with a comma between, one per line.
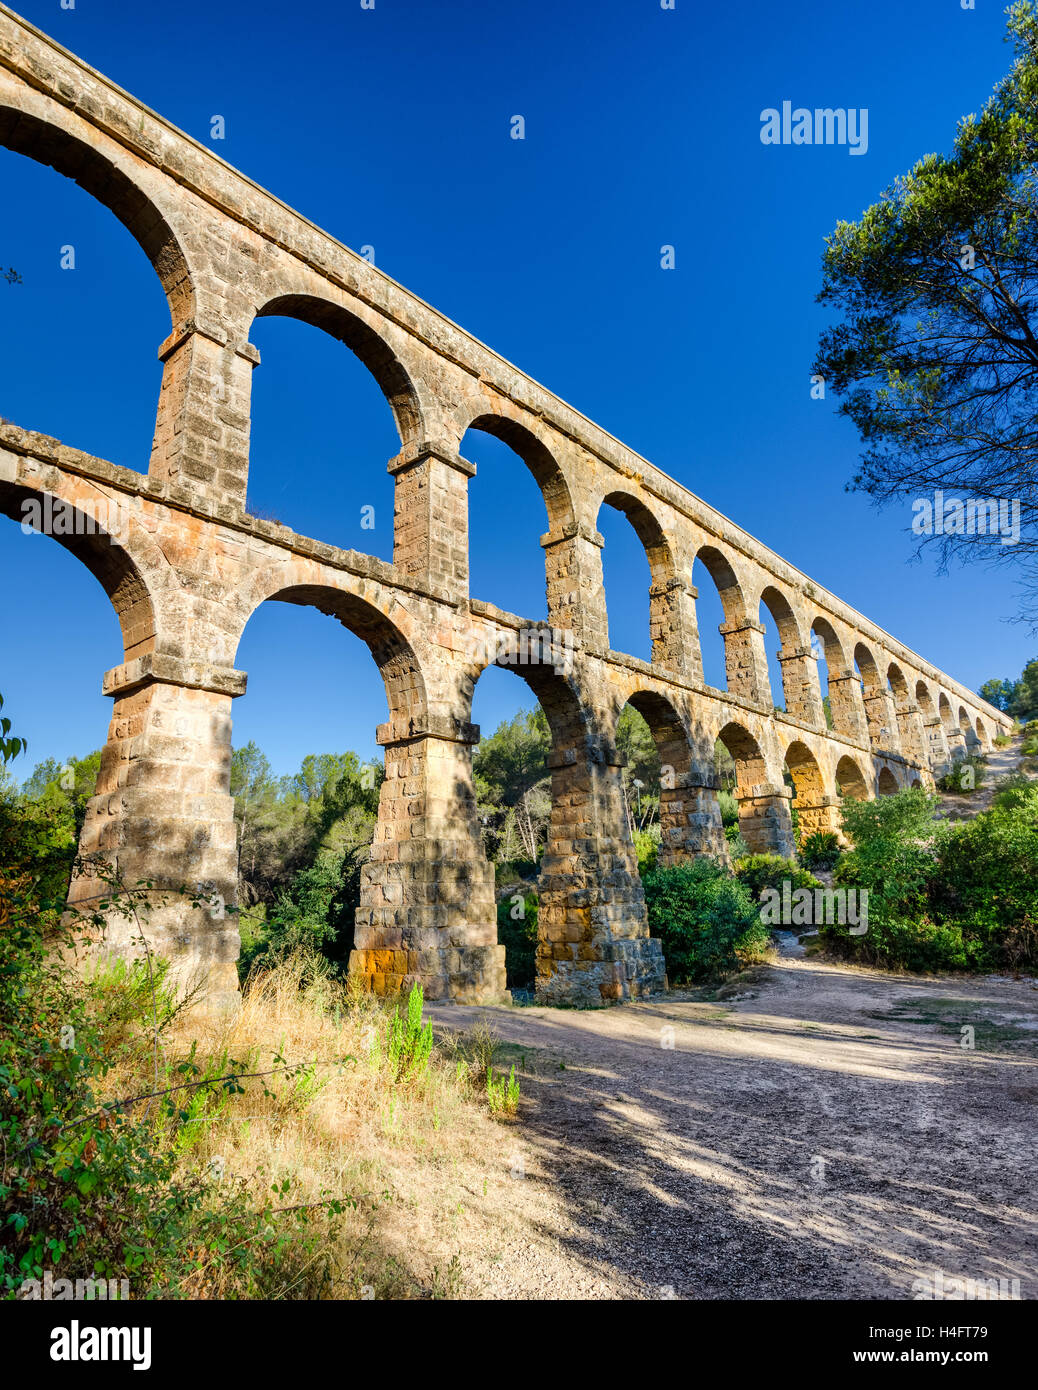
x=823, y=1134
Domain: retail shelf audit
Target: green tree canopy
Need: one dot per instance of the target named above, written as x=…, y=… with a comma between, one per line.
x=937, y=354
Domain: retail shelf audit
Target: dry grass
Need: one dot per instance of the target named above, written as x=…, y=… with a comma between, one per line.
x=421, y=1164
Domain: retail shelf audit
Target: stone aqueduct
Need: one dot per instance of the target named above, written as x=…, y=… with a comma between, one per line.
x=192, y=566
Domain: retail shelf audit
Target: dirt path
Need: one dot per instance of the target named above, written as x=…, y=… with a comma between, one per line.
x=823, y=1136
x=999, y=762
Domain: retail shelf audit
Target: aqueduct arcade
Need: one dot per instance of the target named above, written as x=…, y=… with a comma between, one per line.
x=189, y=565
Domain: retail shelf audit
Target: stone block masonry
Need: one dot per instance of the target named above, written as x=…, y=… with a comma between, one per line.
x=190, y=566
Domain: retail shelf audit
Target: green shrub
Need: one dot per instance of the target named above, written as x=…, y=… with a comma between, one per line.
x=1001, y=740
x=1029, y=747
x=86, y=1189
x=965, y=776
x=944, y=896
x=988, y=879
x=729, y=809
x=647, y=848
x=705, y=919
x=517, y=933
x=820, y=850
x=511, y=870
x=759, y=871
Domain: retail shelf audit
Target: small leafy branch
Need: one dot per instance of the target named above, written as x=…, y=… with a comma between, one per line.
x=11, y=276
x=10, y=747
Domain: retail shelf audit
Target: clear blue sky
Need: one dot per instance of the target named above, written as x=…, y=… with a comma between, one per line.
x=391, y=128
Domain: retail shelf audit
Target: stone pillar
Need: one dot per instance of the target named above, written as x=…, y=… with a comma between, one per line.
x=800, y=686
x=576, y=592
x=912, y=735
x=818, y=815
x=593, y=938
x=427, y=907
x=690, y=819
x=431, y=516
x=162, y=813
x=940, y=754
x=956, y=740
x=764, y=819
x=745, y=660
x=881, y=718
x=672, y=623
x=201, y=444
x=846, y=705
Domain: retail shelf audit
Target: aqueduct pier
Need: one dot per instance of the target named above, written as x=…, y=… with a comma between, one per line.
x=191, y=565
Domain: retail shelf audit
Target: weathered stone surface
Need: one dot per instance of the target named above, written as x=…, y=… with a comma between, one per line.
x=188, y=566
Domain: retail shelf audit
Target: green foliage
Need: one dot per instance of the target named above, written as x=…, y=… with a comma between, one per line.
x=997, y=692
x=937, y=348
x=820, y=850
x=10, y=745
x=759, y=871
x=512, y=781
x=316, y=912
x=410, y=1040
x=517, y=933
x=944, y=896
x=1023, y=701
x=325, y=811
x=647, y=848
x=965, y=776
x=85, y=1188
x=729, y=810
x=502, y=1092
x=987, y=881
x=706, y=920
x=66, y=786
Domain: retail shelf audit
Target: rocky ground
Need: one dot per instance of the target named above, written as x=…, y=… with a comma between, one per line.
x=820, y=1133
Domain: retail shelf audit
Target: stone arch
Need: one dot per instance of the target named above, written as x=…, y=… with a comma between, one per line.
x=777, y=607
x=764, y=819
x=666, y=636
x=878, y=701
x=912, y=736
x=728, y=586
x=925, y=700
x=690, y=813
x=366, y=344
x=866, y=664
x=850, y=781
x=815, y=809
x=745, y=659
x=104, y=178
x=916, y=783
x=969, y=734
x=844, y=688
x=592, y=935
x=886, y=782
x=935, y=738
x=119, y=566
x=983, y=737
x=386, y=637
x=802, y=697
x=898, y=684
x=828, y=651
x=538, y=458
x=953, y=733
